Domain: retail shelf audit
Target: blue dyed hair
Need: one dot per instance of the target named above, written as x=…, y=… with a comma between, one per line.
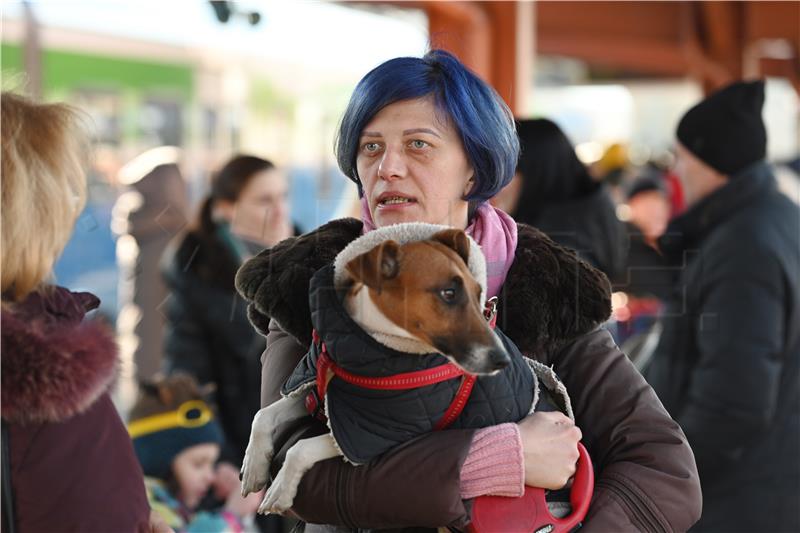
x=480, y=116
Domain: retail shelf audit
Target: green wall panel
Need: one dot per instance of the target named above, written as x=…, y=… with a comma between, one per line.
x=64, y=71
x=10, y=57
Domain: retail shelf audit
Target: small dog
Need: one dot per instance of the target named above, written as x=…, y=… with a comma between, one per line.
x=420, y=297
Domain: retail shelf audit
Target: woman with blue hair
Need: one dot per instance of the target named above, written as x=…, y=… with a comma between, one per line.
x=425, y=140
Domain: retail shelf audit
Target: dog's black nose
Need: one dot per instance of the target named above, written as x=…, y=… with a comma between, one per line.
x=498, y=359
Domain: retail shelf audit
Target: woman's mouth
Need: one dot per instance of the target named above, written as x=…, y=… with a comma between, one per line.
x=393, y=200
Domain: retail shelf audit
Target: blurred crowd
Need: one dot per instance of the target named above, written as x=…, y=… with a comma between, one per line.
x=680, y=239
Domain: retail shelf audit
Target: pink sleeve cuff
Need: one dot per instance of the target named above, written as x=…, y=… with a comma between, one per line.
x=494, y=465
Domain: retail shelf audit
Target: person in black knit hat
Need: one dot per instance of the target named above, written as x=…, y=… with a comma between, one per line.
x=727, y=362
x=725, y=130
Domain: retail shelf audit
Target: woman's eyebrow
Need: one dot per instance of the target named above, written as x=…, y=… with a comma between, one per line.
x=371, y=134
x=421, y=130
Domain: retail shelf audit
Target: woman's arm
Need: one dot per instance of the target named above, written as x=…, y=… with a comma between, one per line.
x=646, y=474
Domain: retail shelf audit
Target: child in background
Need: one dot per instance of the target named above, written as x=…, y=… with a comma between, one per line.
x=177, y=441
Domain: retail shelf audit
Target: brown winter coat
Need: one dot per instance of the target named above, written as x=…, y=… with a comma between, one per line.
x=72, y=463
x=551, y=306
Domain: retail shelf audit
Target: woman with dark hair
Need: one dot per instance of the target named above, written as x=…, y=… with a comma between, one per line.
x=553, y=191
x=208, y=334
x=426, y=140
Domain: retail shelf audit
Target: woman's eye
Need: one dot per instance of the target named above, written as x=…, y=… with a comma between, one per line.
x=418, y=144
x=448, y=295
x=371, y=147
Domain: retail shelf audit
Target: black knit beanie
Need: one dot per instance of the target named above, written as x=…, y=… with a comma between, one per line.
x=726, y=130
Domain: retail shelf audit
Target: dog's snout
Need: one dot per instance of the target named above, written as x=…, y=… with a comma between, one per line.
x=485, y=360
x=498, y=359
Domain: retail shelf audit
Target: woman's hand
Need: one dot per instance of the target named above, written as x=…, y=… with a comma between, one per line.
x=550, y=449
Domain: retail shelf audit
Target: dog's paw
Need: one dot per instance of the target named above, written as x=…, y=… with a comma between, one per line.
x=255, y=469
x=281, y=493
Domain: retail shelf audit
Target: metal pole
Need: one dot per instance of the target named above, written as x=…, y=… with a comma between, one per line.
x=32, y=53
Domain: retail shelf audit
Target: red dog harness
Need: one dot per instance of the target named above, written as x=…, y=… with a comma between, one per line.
x=327, y=369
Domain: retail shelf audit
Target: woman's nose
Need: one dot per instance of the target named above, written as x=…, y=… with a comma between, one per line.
x=392, y=165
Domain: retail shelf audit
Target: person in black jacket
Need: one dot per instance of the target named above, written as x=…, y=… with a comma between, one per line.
x=208, y=334
x=553, y=191
x=728, y=361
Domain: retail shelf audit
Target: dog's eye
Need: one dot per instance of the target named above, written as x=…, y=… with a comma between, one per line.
x=448, y=295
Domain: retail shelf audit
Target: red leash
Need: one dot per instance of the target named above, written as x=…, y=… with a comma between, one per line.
x=529, y=513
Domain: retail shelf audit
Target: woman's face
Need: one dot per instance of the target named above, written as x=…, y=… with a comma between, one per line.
x=194, y=472
x=261, y=212
x=413, y=166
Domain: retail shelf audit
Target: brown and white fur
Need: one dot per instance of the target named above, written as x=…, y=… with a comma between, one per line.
x=420, y=295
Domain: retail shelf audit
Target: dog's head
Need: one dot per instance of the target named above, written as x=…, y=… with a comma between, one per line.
x=425, y=291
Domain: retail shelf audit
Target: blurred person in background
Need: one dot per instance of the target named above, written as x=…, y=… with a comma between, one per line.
x=646, y=281
x=152, y=211
x=612, y=167
x=70, y=461
x=208, y=334
x=553, y=191
x=649, y=207
x=177, y=441
x=728, y=361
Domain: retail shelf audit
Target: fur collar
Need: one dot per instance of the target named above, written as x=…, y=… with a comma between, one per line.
x=550, y=296
x=54, y=364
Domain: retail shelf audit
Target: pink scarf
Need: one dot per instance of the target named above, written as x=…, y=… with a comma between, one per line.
x=493, y=230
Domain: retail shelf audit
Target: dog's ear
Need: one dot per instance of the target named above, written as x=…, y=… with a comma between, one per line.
x=455, y=239
x=376, y=266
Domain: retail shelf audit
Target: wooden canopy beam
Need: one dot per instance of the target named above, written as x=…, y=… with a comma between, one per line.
x=714, y=42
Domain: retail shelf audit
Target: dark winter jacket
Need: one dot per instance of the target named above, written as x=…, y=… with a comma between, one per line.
x=72, y=463
x=588, y=225
x=550, y=306
x=728, y=364
x=647, y=273
x=208, y=334
x=357, y=416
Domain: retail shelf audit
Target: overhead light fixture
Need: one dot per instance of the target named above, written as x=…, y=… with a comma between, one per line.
x=224, y=10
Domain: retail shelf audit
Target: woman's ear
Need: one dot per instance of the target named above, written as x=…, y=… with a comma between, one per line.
x=469, y=185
